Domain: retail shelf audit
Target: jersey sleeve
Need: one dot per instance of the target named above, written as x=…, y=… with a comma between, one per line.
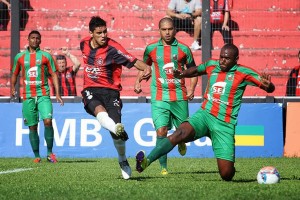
x=252, y=77
x=52, y=67
x=122, y=57
x=16, y=68
x=190, y=62
x=146, y=58
x=203, y=66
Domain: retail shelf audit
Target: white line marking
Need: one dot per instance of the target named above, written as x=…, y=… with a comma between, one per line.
x=15, y=170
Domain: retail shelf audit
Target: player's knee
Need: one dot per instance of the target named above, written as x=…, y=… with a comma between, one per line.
x=48, y=122
x=227, y=174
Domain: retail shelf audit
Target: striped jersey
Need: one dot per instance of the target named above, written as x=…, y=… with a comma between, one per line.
x=103, y=65
x=164, y=59
x=224, y=91
x=35, y=69
x=66, y=82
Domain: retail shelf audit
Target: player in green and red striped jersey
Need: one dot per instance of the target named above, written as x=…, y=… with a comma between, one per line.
x=35, y=66
x=169, y=95
x=217, y=117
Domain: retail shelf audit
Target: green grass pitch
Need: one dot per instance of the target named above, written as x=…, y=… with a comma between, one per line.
x=188, y=178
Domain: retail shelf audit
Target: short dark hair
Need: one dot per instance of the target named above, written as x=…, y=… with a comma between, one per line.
x=165, y=19
x=34, y=32
x=232, y=47
x=61, y=57
x=95, y=22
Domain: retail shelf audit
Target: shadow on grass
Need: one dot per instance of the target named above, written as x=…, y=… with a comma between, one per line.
x=294, y=178
x=216, y=172
x=244, y=181
x=197, y=172
x=143, y=178
x=78, y=161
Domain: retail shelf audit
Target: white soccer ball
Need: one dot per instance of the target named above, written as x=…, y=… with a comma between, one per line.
x=268, y=175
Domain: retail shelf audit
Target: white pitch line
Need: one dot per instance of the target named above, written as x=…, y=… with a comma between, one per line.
x=15, y=170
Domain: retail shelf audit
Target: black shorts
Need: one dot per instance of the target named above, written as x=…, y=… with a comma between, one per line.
x=108, y=98
x=186, y=25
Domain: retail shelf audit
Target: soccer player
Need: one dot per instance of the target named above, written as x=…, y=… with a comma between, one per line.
x=217, y=116
x=103, y=60
x=169, y=95
x=35, y=66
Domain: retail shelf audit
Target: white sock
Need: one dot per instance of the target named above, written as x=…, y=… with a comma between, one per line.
x=121, y=148
x=106, y=122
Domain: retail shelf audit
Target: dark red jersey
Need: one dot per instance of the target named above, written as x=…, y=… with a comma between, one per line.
x=103, y=65
x=66, y=82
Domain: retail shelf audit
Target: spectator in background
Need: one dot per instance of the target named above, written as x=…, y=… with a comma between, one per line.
x=187, y=17
x=4, y=14
x=5, y=7
x=219, y=17
x=66, y=74
x=293, y=83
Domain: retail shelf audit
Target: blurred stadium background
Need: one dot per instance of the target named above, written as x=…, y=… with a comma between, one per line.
x=267, y=33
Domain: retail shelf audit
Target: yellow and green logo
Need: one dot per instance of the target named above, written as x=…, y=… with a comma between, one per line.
x=249, y=136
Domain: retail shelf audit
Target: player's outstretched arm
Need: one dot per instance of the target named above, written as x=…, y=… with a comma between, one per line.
x=189, y=73
x=266, y=83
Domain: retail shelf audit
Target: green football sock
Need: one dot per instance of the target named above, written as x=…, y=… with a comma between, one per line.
x=49, y=135
x=162, y=159
x=35, y=142
x=164, y=147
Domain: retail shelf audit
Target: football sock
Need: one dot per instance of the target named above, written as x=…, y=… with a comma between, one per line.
x=106, y=122
x=35, y=142
x=120, y=146
x=162, y=159
x=164, y=147
x=49, y=135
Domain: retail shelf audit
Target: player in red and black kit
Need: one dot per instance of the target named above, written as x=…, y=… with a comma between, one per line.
x=103, y=60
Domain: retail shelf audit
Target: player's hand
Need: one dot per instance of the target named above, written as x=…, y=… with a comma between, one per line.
x=13, y=92
x=265, y=79
x=266, y=83
x=190, y=94
x=59, y=100
x=177, y=74
x=146, y=74
x=137, y=87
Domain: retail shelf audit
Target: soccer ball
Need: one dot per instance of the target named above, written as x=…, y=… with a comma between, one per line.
x=268, y=175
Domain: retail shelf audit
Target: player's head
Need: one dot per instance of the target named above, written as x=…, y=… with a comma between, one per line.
x=95, y=22
x=167, y=30
x=34, y=40
x=61, y=61
x=229, y=56
x=98, y=31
